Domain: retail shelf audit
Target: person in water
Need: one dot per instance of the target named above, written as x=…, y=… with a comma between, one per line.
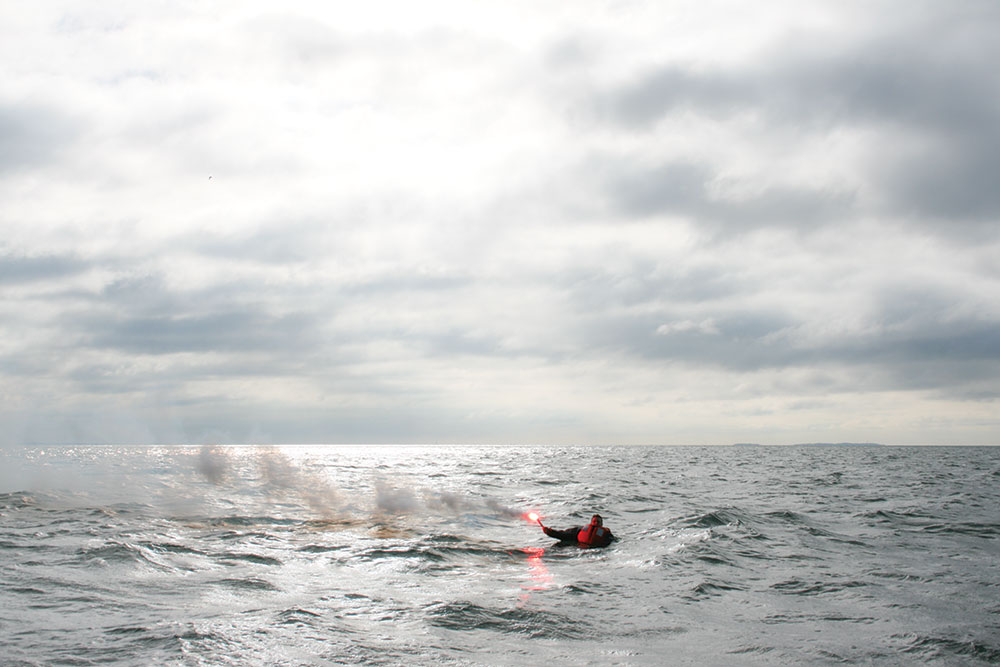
x=592, y=535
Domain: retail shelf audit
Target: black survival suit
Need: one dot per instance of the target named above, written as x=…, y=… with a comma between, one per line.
x=571, y=536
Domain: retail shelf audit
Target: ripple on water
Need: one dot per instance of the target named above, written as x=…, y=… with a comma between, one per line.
x=249, y=584
x=712, y=587
x=927, y=646
x=534, y=623
x=301, y=617
x=768, y=558
x=257, y=559
x=814, y=587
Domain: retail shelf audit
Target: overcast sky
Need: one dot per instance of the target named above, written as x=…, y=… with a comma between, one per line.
x=500, y=222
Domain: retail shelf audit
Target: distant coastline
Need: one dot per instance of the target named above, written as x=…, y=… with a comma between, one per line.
x=839, y=444
x=815, y=444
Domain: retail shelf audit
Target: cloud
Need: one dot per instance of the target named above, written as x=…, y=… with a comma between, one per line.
x=16, y=268
x=685, y=190
x=919, y=93
x=32, y=135
x=950, y=181
x=233, y=331
x=506, y=223
x=705, y=327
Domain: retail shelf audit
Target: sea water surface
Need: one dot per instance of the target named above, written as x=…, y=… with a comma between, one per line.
x=421, y=555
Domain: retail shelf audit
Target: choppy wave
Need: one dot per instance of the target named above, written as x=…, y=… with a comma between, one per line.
x=467, y=616
x=420, y=556
x=946, y=648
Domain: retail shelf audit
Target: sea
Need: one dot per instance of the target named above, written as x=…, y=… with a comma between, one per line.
x=424, y=555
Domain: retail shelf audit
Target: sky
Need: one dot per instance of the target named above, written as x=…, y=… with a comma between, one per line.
x=510, y=222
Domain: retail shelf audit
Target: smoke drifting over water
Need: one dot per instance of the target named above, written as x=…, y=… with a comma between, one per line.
x=339, y=555
x=281, y=479
x=212, y=463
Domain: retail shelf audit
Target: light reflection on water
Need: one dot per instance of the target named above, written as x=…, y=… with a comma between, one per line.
x=422, y=555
